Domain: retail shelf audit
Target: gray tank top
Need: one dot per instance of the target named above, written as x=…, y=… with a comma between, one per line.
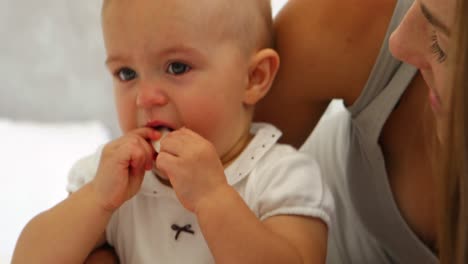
x=367, y=177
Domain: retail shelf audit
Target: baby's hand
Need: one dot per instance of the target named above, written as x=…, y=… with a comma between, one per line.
x=192, y=165
x=122, y=167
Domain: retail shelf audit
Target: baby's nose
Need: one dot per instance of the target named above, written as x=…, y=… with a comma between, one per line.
x=150, y=95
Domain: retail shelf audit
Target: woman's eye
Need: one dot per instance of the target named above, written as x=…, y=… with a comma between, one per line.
x=177, y=68
x=436, y=49
x=126, y=74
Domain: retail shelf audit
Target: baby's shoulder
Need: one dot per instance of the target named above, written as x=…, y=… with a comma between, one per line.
x=284, y=164
x=288, y=182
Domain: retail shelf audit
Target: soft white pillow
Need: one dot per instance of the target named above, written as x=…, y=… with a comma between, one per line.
x=35, y=160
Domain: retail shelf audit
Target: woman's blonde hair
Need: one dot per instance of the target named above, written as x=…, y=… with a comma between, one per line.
x=454, y=174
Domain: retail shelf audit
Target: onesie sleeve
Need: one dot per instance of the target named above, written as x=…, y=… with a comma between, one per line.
x=291, y=184
x=83, y=171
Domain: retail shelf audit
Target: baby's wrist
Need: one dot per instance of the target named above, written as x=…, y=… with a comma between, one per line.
x=97, y=198
x=221, y=197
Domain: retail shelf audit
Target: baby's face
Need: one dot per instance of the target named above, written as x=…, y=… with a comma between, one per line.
x=171, y=68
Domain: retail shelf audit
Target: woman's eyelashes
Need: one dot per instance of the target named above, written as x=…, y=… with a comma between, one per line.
x=436, y=49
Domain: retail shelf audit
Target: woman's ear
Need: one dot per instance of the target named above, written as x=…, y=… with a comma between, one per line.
x=262, y=71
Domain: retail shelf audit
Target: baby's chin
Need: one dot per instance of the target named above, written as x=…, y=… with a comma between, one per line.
x=161, y=177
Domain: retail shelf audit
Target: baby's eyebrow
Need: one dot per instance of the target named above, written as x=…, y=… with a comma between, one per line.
x=181, y=49
x=434, y=20
x=176, y=49
x=112, y=59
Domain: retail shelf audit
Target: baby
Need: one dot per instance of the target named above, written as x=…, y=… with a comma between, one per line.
x=218, y=188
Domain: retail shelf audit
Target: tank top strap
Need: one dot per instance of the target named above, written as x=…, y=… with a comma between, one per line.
x=385, y=65
x=367, y=176
x=372, y=119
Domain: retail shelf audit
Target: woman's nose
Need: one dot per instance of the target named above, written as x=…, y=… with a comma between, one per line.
x=408, y=42
x=150, y=95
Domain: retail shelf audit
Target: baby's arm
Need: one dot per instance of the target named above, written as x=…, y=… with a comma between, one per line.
x=233, y=232
x=68, y=232
x=64, y=234
x=235, y=235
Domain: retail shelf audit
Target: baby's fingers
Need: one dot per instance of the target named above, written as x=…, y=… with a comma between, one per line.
x=179, y=142
x=149, y=152
x=140, y=156
x=145, y=136
x=147, y=133
x=167, y=164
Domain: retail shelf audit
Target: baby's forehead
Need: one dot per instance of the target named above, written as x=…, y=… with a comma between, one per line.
x=240, y=19
x=200, y=11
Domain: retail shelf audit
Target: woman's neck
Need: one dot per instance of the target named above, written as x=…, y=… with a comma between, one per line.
x=406, y=142
x=409, y=131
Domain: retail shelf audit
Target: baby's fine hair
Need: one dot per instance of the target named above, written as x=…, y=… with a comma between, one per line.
x=249, y=22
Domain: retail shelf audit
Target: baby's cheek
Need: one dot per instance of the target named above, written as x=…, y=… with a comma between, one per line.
x=125, y=124
x=208, y=123
x=127, y=115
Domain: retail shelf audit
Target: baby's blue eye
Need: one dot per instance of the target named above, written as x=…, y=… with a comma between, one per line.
x=177, y=68
x=126, y=74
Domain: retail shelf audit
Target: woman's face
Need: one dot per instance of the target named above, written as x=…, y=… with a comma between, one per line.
x=423, y=40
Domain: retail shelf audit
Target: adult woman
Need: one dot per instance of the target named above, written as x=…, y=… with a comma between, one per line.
x=376, y=158
x=447, y=79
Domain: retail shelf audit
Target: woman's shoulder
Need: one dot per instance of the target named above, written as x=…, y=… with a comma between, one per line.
x=328, y=49
x=341, y=19
x=339, y=39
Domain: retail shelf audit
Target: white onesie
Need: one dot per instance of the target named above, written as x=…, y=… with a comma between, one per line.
x=273, y=179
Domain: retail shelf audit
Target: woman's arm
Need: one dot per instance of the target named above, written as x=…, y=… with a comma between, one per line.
x=327, y=50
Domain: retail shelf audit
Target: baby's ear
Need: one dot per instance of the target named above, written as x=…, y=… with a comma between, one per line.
x=262, y=71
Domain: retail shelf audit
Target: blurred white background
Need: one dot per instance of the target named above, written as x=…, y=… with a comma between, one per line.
x=55, y=103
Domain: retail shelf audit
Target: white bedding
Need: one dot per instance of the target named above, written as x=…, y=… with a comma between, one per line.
x=35, y=159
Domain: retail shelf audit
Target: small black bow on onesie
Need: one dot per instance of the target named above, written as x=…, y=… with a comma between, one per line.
x=185, y=228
